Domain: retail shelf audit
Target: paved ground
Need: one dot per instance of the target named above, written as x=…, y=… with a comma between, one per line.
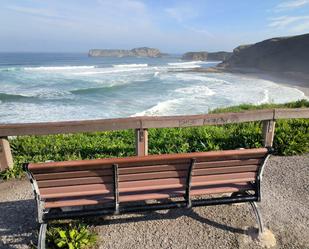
x=285, y=209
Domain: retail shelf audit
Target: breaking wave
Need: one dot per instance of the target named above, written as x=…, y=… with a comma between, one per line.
x=196, y=90
x=190, y=64
x=161, y=108
x=34, y=96
x=94, y=90
x=60, y=68
x=10, y=69
x=130, y=65
x=5, y=97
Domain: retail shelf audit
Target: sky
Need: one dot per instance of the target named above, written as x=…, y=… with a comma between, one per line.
x=173, y=26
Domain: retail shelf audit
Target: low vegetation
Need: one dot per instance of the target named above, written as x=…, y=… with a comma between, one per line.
x=70, y=236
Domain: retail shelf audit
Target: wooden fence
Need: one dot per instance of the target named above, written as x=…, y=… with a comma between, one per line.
x=141, y=124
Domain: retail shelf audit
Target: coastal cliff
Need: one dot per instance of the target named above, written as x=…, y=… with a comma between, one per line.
x=135, y=52
x=206, y=56
x=283, y=54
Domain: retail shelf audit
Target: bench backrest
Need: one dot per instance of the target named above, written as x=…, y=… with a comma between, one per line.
x=91, y=182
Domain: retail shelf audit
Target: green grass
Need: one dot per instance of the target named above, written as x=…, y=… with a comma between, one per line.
x=249, y=107
x=291, y=138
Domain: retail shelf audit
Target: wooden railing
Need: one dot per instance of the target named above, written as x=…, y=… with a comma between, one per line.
x=141, y=124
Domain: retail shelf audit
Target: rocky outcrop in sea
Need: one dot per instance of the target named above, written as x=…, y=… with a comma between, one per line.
x=135, y=52
x=206, y=56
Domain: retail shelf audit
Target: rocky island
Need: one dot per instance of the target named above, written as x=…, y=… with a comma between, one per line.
x=135, y=52
x=206, y=56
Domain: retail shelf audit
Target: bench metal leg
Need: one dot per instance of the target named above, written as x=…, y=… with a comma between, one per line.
x=42, y=236
x=258, y=216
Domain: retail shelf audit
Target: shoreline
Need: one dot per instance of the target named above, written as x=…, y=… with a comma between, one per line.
x=291, y=79
x=285, y=79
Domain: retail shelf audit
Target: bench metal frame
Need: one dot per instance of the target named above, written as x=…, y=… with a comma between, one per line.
x=44, y=216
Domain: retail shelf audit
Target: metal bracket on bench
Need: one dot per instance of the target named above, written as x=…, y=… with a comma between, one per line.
x=259, y=177
x=257, y=216
x=42, y=236
x=116, y=188
x=188, y=183
x=36, y=191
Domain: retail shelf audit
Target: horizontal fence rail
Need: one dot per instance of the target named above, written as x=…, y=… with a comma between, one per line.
x=141, y=124
x=146, y=122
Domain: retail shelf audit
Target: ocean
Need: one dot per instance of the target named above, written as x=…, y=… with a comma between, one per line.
x=37, y=87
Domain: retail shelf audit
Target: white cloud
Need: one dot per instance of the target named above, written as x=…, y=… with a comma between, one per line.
x=288, y=5
x=299, y=24
x=301, y=27
x=290, y=24
x=34, y=11
x=127, y=7
x=199, y=31
x=284, y=21
x=104, y=17
x=181, y=13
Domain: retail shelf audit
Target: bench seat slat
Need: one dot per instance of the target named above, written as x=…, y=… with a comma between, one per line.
x=86, y=201
x=95, y=200
x=196, y=180
x=76, y=190
x=179, y=193
x=142, y=169
x=146, y=176
x=150, y=160
x=96, y=191
x=145, y=185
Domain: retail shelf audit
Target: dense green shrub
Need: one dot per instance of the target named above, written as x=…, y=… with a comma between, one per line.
x=70, y=236
x=291, y=138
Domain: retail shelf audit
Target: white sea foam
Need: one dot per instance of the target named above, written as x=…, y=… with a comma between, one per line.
x=187, y=64
x=156, y=74
x=108, y=70
x=161, y=108
x=196, y=90
x=265, y=98
x=9, y=69
x=130, y=65
x=58, y=68
x=190, y=64
x=193, y=77
x=48, y=94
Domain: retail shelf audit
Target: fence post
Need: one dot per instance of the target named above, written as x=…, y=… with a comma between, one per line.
x=268, y=132
x=6, y=159
x=141, y=142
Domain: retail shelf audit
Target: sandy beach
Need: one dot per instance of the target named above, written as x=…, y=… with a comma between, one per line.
x=291, y=79
x=300, y=82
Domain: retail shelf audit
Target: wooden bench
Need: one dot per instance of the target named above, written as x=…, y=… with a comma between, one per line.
x=74, y=189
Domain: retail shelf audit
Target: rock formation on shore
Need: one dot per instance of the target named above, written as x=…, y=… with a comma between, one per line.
x=135, y=52
x=283, y=54
x=206, y=56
